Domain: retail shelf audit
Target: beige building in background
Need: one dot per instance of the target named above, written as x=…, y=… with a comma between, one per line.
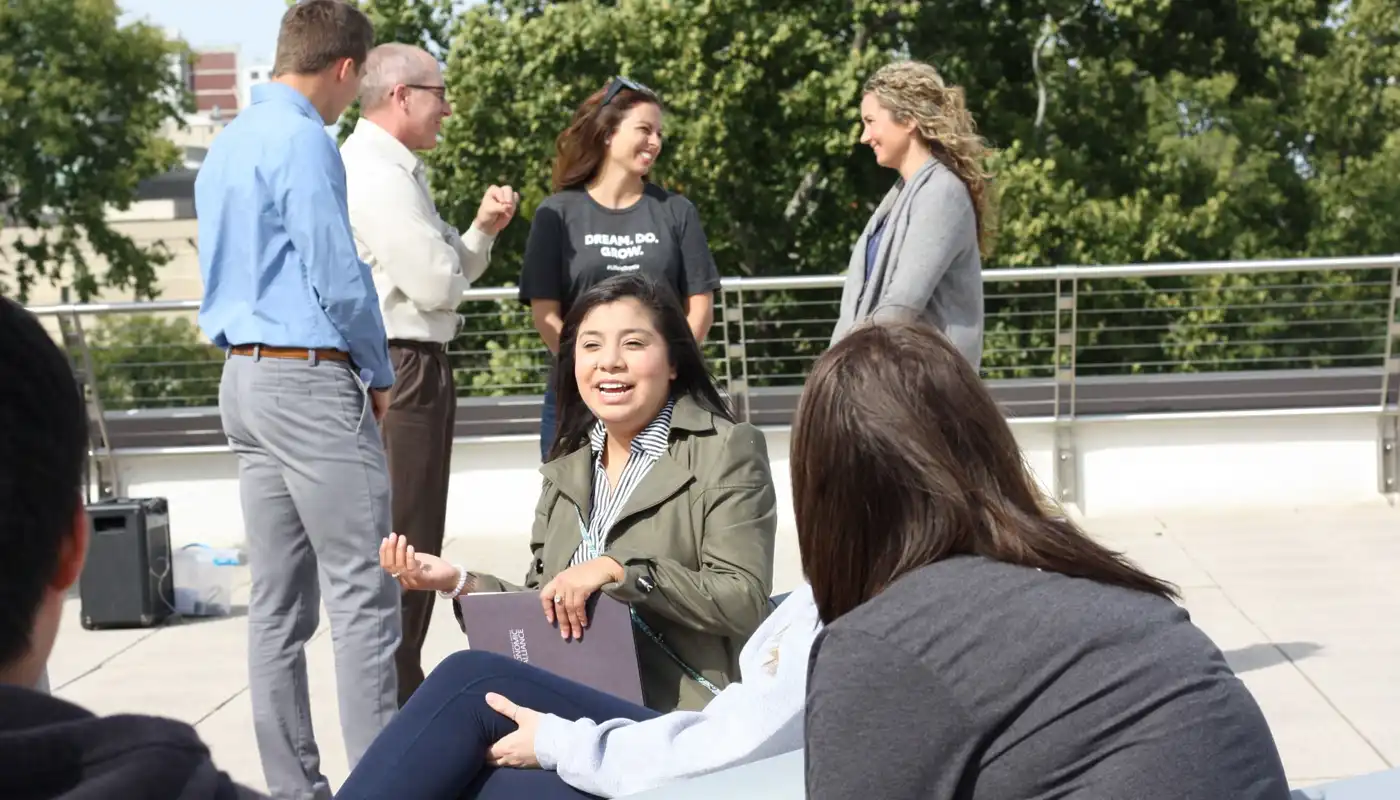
x=164, y=220
x=163, y=213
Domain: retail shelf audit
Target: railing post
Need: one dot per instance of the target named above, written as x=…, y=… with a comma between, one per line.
x=1066, y=472
x=1388, y=446
x=738, y=387
x=723, y=311
x=102, y=463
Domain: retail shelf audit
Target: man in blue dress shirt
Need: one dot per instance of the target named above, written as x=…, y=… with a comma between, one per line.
x=304, y=385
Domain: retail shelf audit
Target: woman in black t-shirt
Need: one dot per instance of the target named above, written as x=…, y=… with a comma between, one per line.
x=605, y=218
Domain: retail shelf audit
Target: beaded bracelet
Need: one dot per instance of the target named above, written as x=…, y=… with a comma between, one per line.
x=461, y=584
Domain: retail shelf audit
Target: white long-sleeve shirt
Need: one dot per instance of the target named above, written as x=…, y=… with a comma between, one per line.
x=421, y=266
x=758, y=717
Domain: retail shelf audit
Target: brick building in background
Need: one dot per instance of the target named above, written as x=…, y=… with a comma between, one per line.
x=215, y=78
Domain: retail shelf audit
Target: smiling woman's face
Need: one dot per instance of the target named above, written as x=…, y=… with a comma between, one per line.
x=888, y=138
x=622, y=366
x=636, y=144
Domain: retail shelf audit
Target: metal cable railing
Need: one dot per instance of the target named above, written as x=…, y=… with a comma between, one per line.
x=1061, y=327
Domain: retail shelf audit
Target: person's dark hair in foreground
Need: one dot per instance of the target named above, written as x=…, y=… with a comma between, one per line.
x=900, y=403
x=49, y=748
x=980, y=645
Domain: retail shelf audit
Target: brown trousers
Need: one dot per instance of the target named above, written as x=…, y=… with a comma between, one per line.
x=418, y=431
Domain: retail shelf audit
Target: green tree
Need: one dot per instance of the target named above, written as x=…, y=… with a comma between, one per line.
x=1175, y=134
x=421, y=22
x=1350, y=147
x=758, y=95
x=149, y=361
x=738, y=78
x=82, y=104
x=1130, y=131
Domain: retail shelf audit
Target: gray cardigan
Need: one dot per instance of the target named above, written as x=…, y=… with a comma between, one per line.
x=928, y=266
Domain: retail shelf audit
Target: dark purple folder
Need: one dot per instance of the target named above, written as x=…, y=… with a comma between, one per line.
x=513, y=624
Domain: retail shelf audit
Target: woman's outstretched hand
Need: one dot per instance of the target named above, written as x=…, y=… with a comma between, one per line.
x=514, y=749
x=412, y=570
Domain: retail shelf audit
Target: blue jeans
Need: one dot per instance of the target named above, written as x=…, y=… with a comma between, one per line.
x=435, y=748
x=547, y=417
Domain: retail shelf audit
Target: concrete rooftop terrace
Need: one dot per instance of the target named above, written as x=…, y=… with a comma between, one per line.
x=1304, y=603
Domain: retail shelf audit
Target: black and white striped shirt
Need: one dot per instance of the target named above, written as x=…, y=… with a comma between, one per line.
x=647, y=448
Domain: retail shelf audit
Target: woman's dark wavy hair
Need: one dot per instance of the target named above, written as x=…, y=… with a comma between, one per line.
x=693, y=378
x=901, y=458
x=580, y=149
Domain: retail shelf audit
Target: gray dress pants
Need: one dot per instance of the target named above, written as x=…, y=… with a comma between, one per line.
x=315, y=495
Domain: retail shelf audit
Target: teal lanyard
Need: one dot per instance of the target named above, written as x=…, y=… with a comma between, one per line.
x=594, y=550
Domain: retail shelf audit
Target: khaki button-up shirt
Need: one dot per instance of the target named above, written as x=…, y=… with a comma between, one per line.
x=421, y=266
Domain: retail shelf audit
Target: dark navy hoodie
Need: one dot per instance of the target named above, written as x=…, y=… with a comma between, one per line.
x=53, y=750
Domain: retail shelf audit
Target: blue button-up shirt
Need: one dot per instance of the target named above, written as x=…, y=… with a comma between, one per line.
x=275, y=247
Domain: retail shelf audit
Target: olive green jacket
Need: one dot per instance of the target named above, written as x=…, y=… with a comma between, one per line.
x=699, y=527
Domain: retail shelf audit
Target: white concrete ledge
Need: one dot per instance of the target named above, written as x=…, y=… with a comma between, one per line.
x=1122, y=466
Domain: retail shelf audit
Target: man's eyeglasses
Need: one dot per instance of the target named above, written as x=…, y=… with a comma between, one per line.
x=439, y=90
x=619, y=83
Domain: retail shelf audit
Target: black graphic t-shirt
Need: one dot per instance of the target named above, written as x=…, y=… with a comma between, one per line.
x=575, y=243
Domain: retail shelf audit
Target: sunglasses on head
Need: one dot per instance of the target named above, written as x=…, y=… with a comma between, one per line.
x=619, y=83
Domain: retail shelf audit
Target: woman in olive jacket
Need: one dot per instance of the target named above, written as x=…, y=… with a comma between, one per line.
x=678, y=498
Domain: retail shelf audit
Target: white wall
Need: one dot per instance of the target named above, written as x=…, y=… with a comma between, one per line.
x=1248, y=461
x=1125, y=467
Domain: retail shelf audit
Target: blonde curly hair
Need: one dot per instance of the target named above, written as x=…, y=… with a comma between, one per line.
x=913, y=90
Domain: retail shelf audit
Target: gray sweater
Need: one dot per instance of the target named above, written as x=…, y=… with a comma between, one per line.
x=927, y=267
x=972, y=679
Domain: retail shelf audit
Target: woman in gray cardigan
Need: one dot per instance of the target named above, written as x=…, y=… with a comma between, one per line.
x=920, y=255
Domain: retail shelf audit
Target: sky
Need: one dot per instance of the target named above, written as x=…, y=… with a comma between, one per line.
x=250, y=24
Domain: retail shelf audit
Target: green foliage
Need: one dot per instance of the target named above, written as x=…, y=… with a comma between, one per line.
x=1130, y=131
x=149, y=361
x=756, y=95
x=501, y=355
x=82, y=102
x=1258, y=130
x=420, y=22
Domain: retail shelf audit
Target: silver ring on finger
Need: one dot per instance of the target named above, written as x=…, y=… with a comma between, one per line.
x=558, y=599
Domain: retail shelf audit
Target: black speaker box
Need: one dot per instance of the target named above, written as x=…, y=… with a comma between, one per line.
x=128, y=579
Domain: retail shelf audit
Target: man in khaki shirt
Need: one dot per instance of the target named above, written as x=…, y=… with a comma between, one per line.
x=421, y=268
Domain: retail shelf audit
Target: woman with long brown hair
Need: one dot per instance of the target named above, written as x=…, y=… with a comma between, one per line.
x=978, y=643
x=607, y=218
x=920, y=255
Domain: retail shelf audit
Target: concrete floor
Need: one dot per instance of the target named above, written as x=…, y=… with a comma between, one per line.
x=1304, y=603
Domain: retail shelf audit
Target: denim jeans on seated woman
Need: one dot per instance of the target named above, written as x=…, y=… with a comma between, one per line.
x=435, y=747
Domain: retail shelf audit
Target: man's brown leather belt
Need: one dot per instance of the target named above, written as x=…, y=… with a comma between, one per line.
x=297, y=353
x=414, y=344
